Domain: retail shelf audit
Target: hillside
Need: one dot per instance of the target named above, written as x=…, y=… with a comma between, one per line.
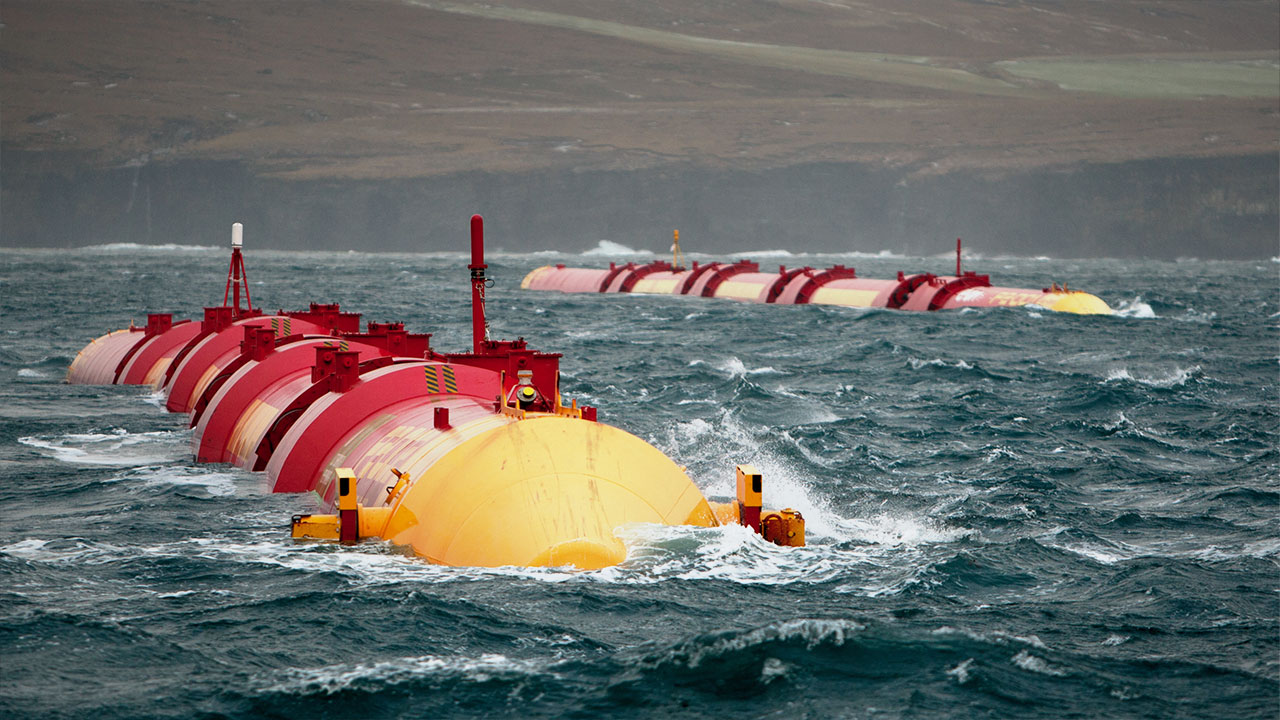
x=287, y=107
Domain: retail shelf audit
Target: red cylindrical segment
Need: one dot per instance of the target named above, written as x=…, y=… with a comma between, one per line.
x=326, y=423
x=197, y=368
x=707, y=281
x=96, y=364
x=229, y=402
x=748, y=286
x=626, y=282
x=854, y=292
x=558, y=277
x=661, y=282
x=160, y=349
x=934, y=294
x=410, y=432
x=261, y=414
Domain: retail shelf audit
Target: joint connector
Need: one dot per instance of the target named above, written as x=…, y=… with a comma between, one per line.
x=783, y=527
x=373, y=521
x=353, y=521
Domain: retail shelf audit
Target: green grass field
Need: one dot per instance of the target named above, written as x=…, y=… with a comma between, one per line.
x=1155, y=78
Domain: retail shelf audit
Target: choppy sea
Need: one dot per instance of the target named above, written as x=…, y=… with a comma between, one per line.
x=1012, y=513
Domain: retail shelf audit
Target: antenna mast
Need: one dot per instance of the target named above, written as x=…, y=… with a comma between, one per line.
x=236, y=275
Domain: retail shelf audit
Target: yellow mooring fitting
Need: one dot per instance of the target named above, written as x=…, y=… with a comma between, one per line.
x=783, y=527
x=353, y=521
x=314, y=527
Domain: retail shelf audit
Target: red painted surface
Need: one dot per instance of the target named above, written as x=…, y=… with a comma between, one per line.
x=707, y=281
x=479, y=324
x=222, y=405
x=217, y=350
x=384, y=438
x=96, y=364
x=568, y=279
x=625, y=280
x=801, y=289
x=156, y=349
x=297, y=462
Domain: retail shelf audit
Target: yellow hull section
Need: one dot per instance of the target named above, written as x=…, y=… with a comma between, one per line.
x=543, y=491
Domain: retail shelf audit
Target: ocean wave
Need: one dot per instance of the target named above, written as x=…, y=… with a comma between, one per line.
x=890, y=530
x=68, y=551
x=733, y=367
x=1135, y=308
x=1170, y=378
x=610, y=248
x=1025, y=660
x=118, y=447
x=216, y=483
x=732, y=553
x=920, y=363
x=376, y=677
x=1196, y=316
x=159, y=247
x=808, y=633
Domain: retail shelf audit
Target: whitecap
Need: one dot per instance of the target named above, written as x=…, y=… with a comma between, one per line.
x=31, y=374
x=813, y=632
x=917, y=363
x=71, y=550
x=733, y=367
x=693, y=429
x=961, y=672
x=119, y=447
x=337, y=678
x=609, y=247
x=1195, y=316
x=1031, y=663
x=163, y=247
x=896, y=530
x=881, y=254
x=1175, y=377
x=217, y=484
x=1135, y=308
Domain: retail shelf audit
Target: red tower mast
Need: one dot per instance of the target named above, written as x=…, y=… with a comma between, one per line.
x=236, y=275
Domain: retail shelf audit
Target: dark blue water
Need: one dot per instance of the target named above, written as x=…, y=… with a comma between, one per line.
x=1012, y=513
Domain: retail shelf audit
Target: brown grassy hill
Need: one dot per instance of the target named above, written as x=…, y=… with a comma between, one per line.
x=377, y=89
x=391, y=90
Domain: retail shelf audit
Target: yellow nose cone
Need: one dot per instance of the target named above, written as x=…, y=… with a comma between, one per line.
x=1080, y=303
x=583, y=554
x=543, y=491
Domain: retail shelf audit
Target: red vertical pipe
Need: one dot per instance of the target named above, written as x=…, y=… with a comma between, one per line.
x=235, y=278
x=244, y=278
x=479, y=326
